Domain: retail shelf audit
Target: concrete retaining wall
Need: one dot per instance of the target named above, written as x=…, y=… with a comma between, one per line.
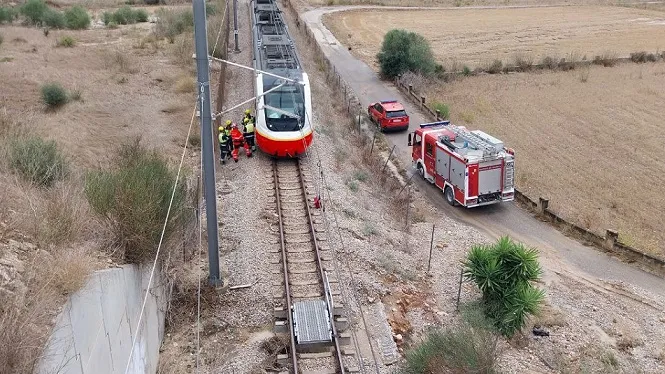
x=94, y=331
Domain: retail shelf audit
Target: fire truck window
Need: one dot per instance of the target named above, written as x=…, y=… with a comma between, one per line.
x=428, y=149
x=418, y=139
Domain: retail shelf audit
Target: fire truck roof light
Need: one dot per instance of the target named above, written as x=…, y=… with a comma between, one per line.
x=432, y=124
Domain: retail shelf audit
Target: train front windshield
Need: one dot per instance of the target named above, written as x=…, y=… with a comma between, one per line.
x=290, y=99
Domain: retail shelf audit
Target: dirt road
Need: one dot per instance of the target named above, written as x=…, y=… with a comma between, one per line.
x=562, y=254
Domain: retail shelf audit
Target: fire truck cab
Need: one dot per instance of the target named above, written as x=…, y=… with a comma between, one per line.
x=472, y=168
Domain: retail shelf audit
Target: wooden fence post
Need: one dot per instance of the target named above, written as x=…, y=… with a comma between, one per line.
x=542, y=205
x=611, y=237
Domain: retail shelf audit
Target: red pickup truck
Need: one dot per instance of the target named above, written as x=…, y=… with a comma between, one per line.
x=388, y=115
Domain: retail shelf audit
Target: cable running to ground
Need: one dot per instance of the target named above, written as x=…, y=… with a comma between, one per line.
x=161, y=239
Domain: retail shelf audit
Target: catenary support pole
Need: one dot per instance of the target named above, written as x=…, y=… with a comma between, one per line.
x=207, y=148
x=235, y=25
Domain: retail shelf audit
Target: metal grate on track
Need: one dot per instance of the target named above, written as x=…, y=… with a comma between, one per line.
x=311, y=322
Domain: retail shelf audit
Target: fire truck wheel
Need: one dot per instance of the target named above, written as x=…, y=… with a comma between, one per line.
x=420, y=170
x=450, y=198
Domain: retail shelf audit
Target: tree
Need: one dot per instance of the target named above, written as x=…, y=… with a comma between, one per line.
x=503, y=272
x=403, y=51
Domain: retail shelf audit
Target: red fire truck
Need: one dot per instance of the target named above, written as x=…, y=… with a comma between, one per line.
x=472, y=168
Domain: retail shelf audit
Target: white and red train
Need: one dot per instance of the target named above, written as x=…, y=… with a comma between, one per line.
x=472, y=168
x=284, y=102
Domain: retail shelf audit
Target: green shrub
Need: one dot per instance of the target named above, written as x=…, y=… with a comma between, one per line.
x=7, y=15
x=466, y=71
x=171, y=23
x=107, y=17
x=54, y=95
x=211, y=9
x=2, y=39
x=134, y=197
x=66, y=41
x=151, y=2
x=37, y=160
x=495, y=67
x=443, y=109
x=360, y=176
x=469, y=346
x=503, y=272
x=195, y=140
x=77, y=18
x=641, y=57
x=523, y=62
x=404, y=51
x=352, y=184
x=141, y=15
x=549, y=62
x=124, y=16
x=34, y=11
x=112, y=25
x=607, y=59
x=54, y=19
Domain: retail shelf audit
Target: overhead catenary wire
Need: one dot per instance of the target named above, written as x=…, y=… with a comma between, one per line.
x=161, y=240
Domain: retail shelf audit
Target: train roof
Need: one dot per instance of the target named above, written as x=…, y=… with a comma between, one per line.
x=275, y=51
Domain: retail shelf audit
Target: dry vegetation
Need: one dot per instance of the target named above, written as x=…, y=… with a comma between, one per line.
x=116, y=80
x=477, y=37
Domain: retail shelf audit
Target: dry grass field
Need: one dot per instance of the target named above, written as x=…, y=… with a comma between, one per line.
x=126, y=82
x=590, y=140
x=594, y=147
x=476, y=37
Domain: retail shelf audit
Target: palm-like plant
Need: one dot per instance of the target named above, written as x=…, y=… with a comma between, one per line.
x=503, y=272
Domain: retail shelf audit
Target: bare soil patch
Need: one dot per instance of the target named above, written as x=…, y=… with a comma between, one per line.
x=476, y=37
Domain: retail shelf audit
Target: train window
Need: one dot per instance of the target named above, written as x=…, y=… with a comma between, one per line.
x=288, y=99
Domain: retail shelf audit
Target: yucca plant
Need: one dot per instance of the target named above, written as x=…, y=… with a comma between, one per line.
x=504, y=272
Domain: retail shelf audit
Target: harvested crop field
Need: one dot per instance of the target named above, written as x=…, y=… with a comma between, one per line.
x=476, y=37
x=590, y=140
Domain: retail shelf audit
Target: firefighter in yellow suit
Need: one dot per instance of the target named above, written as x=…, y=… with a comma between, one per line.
x=249, y=132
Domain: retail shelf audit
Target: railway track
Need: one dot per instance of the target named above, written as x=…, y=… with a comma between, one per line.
x=305, y=308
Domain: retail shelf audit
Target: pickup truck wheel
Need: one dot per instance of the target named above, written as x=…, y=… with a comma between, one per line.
x=450, y=198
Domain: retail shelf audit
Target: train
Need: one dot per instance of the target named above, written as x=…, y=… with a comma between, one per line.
x=283, y=124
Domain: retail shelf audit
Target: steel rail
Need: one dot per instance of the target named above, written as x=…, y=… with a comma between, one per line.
x=294, y=357
x=322, y=275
